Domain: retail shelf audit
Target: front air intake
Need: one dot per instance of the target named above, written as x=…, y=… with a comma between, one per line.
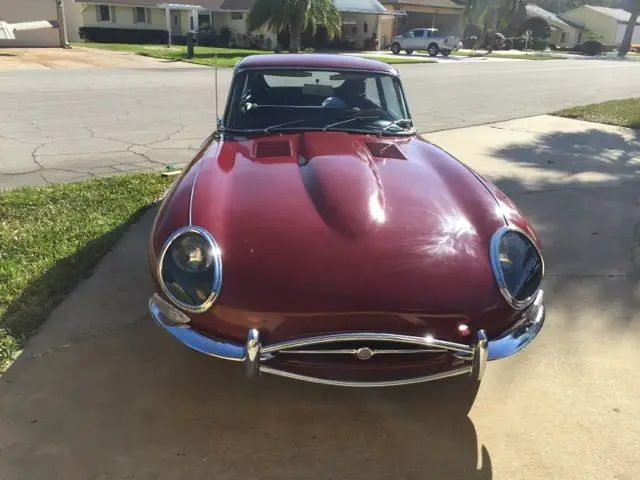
x=273, y=148
x=385, y=150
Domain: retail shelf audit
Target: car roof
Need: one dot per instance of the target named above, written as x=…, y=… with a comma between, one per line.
x=315, y=60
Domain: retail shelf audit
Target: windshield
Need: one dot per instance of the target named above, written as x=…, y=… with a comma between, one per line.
x=301, y=99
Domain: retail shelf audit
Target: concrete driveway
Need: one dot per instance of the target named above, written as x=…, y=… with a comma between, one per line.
x=76, y=58
x=101, y=393
x=68, y=124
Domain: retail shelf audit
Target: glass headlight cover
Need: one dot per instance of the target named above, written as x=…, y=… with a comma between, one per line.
x=517, y=266
x=190, y=269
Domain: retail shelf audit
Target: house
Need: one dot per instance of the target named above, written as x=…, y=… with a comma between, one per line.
x=361, y=19
x=441, y=14
x=38, y=10
x=563, y=33
x=607, y=24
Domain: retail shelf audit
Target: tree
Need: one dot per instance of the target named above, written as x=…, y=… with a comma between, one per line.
x=539, y=27
x=494, y=15
x=625, y=46
x=296, y=15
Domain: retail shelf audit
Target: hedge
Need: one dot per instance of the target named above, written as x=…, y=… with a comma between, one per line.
x=126, y=35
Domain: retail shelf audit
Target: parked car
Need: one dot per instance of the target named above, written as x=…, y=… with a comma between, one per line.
x=316, y=236
x=428, y=39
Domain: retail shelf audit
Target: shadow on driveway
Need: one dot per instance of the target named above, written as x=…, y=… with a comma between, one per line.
x=582, y=192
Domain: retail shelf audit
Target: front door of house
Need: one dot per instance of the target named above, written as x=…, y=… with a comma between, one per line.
x=176, y=22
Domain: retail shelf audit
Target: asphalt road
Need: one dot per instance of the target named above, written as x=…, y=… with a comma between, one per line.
x=66, y=124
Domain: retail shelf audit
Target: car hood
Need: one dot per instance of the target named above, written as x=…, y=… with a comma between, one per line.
x=332, y=221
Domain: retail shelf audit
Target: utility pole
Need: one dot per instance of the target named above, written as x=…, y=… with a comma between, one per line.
x=62, y=24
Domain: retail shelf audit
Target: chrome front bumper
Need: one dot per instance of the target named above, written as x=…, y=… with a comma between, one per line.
x=253, y=353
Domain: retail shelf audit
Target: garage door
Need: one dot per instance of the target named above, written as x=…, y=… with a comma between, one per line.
x=15, y=11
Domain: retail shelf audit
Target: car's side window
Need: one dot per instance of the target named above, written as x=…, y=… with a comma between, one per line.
x=418, y=33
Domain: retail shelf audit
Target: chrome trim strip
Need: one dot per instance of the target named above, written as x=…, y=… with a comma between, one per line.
x=198, y=342
x=426, y=341
x=480, y=356
x=494, y=258
x=252, y=349
x=386, y=383
x=253, y=353
x=522, y=334
x=353, y=351
x=193, y=189
x=217, y=268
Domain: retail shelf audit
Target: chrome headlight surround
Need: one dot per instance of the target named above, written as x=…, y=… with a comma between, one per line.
x=498, y=272
x=216, y=268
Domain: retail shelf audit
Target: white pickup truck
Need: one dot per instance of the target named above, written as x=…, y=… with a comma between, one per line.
x=428, y=39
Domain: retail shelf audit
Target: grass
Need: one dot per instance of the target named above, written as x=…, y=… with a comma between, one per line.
x=523, y=56
x=52, y=237
x=623, y=113
x=227, y=57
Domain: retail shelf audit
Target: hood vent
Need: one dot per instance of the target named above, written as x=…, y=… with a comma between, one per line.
x=273, y=148
x=385, y=150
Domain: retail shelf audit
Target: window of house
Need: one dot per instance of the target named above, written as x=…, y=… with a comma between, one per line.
x=563, y=37
x=104, y=13
x=139, y=15
x=236, y=15
x=204, y=20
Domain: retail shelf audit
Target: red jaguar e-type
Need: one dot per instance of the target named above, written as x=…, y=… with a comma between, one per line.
x=317, y=237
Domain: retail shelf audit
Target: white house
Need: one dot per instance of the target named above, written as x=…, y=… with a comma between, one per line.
x=608, y=24
x=362, y=19
x=563, y=34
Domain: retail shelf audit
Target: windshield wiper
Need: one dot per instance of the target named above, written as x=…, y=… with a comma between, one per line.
x=278, y=125
x=397, y=123
x=346, y=121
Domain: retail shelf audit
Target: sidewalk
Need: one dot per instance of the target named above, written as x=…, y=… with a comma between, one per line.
x=100, y=392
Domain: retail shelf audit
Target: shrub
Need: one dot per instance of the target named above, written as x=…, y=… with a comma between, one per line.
x=539, y=44
x=123, y=35
x=209, y=38
x=539, y=28
x=472, y=30
x=469, y=42
x=592, y=47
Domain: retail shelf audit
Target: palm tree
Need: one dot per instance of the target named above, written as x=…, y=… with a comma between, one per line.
x=296, y=15
x=625, y=46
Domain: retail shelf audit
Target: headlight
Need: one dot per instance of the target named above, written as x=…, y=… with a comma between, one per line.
x=190, y=269
x=517, y=266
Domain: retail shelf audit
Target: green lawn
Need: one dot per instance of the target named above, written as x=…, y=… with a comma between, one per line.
x=226, y=57
x=515, y=56
x=623, y=113
x=52, y=237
